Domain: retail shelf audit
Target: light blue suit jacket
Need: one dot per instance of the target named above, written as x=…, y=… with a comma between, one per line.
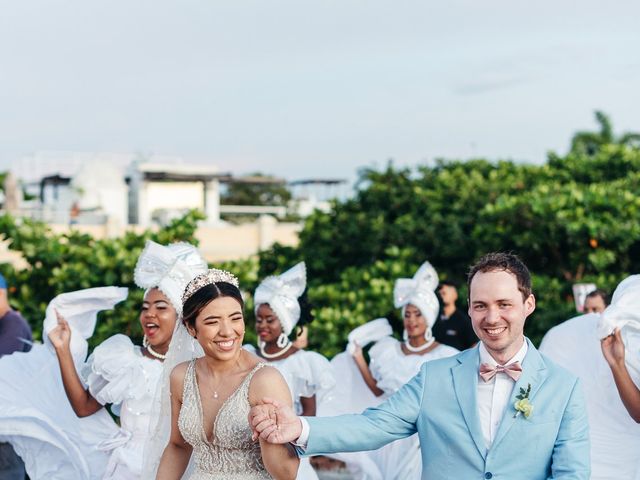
x=440, y=403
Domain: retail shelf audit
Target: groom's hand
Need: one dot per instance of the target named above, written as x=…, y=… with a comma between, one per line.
x=274, y=422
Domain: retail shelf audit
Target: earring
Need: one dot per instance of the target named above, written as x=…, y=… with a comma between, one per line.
x=428, y=334
x=282, y=341
x=145, y=341
x=405, y=335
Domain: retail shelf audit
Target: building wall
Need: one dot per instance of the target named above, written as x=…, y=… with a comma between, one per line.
x=174, y=195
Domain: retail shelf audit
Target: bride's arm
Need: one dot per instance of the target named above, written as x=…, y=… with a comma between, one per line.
x=280, y=461
x=175, y=457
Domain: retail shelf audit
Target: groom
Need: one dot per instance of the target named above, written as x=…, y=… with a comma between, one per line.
x=499, y=410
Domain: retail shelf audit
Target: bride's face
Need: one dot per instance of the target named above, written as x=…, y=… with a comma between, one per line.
x=219, y=328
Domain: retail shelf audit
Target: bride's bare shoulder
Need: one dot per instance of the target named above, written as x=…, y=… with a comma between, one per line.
x=268, y=382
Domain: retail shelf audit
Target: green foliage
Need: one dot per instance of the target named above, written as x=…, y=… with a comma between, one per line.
x=590, y=143
x=575, y=218
x=61, y=263
x=271, y=192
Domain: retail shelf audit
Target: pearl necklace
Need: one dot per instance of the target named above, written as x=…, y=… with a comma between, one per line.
x=152, y=352
x=413, y=349
x=270, y=356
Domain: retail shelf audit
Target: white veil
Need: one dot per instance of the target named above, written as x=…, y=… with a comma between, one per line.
x=169, y=269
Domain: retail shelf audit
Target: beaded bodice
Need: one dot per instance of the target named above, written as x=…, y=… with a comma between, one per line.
x=231, y=454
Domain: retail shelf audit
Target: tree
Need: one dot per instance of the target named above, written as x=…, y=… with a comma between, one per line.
x=589, y=143
x=575, y=218
x=256, y=189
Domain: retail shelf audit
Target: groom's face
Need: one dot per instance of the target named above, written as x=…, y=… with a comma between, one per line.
x=498, y=311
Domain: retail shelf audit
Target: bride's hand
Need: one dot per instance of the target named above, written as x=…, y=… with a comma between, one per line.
x=274, y=422
x=60, y=336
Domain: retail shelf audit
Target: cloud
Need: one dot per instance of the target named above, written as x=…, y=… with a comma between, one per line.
x=489, y=83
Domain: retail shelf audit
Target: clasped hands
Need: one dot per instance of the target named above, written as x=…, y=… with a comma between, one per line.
x=274, y=422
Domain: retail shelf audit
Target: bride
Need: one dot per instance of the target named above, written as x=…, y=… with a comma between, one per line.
x=211, y=396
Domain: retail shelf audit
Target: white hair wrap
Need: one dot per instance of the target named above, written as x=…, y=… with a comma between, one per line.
x=169, y=269
x=281, y=294
x=419, y=291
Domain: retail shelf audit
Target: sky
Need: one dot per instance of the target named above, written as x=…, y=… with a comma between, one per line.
x=304, y=89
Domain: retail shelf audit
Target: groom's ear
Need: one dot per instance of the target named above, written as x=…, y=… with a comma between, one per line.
x=529, y=305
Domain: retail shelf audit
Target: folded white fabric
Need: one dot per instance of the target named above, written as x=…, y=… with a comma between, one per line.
x=80, y=309
x=369, y=332
x=624, y=313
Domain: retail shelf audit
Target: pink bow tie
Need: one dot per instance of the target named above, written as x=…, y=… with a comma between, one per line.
x=487, y=372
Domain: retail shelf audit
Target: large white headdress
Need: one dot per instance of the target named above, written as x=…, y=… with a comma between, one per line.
x=281, y=293
x=419, y=291
x=169, y=269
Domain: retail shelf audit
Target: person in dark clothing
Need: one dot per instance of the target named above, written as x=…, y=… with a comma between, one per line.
x=453, y=328
x=15, y=336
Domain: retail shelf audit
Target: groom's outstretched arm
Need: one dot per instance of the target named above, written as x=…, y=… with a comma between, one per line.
x=570, y=459
x=394, y=419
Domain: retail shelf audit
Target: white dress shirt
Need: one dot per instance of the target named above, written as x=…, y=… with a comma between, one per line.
x=493, y=398
x=494, y=395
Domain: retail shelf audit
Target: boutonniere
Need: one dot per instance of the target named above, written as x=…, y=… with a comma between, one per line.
x=522, y=404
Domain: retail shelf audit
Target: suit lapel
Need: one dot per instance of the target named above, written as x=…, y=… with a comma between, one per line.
x=534, y=373
x=465, y=384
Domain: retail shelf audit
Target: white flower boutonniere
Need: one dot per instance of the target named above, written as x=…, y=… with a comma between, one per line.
x=522, y=404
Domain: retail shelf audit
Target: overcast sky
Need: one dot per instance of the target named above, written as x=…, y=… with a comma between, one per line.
x=302, y=89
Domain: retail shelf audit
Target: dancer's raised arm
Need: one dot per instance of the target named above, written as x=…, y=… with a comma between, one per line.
x=82, y=402
x=614, y=352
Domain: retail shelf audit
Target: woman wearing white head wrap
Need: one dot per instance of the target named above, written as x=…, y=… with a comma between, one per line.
x=124, y=375
x=278, y=312
x=392, y=364
x=620, y=325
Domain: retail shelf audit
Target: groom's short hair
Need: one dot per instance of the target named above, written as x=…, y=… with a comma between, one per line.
x=498, y=261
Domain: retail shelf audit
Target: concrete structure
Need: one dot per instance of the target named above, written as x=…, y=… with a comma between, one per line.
x=159, y=192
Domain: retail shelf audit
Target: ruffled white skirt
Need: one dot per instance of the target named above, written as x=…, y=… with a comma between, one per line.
x=37, y=419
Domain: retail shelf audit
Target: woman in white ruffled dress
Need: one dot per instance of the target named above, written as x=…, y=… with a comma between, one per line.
x=279, y=309
x=83, y=442
x=392, y=364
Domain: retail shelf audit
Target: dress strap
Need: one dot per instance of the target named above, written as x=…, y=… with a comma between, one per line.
x=244, y=386
x=189, y=382
x=250, y=375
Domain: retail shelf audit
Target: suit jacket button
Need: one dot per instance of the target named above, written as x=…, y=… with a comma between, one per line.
x=488, y=475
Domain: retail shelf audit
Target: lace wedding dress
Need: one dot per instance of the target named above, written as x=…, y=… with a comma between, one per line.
x=231, y=454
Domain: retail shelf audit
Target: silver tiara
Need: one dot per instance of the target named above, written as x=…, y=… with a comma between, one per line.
x=209, y=277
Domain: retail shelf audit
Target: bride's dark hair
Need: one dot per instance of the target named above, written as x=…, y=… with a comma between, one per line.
x=196, y=302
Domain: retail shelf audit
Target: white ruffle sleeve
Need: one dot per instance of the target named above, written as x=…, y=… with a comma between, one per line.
x=311, y=372
x=113, y=372
x=384, y=355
